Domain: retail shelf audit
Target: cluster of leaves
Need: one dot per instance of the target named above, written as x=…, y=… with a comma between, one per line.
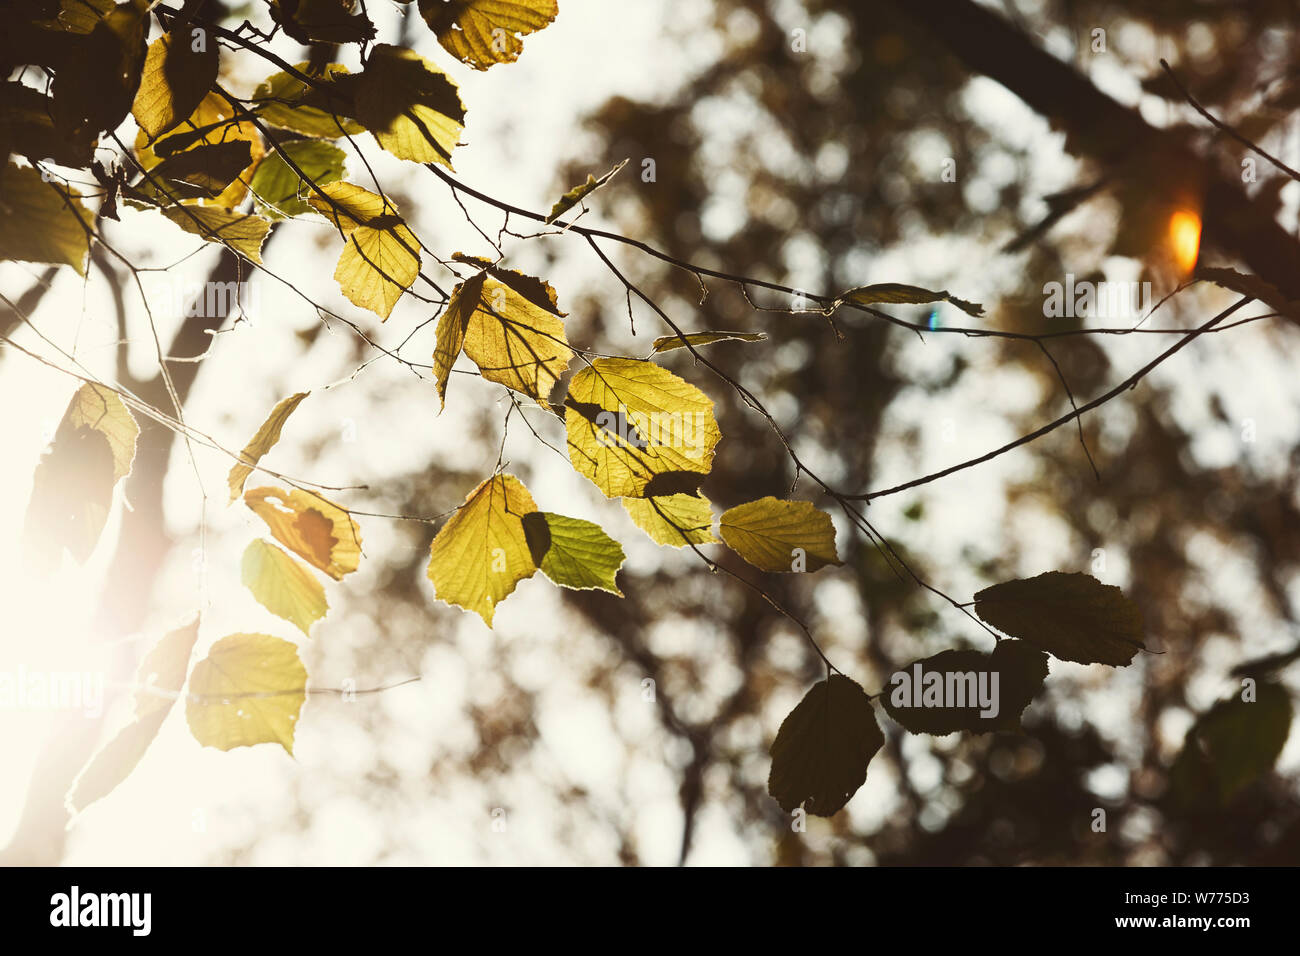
x=226, y=168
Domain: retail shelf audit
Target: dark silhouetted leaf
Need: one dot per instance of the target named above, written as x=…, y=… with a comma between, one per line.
x=892, y=293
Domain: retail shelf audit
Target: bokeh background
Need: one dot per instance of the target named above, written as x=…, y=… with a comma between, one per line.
x=819, y=168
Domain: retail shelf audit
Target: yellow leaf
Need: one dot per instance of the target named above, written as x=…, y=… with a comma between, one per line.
x=248, y=690
x=484, y=32
x=573, y=553
x=629, y=421
x=175, y=78
x=280, y=103
x=159, y=680
x=242, y=232
x=895, y=293
x=481, y=553
x=318, y=531
x=261, y=443
x=410, y=105
x=666, y=343
x=580, y=192
x=509, y=326
x=41, y=222
x=676, y=520
x=776, y=535
x=282, y=585
x=381, y=258
x=98, y=407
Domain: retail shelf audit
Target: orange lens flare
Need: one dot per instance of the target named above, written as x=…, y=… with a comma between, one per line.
x=1185, y=238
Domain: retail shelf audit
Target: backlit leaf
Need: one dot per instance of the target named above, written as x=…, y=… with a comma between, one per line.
x=159, y=680
x=580, y=192
x=666, y=343
x=676, y=520
x=241, y=231
x=323, y=21
x=1072, y=616
x=280, y=103
x=410, y=105
x=484, y=32
x=40, y=222
x=1231, y=745
x=482, y=553
x=776, y=535
x=176, y=77
x=821, y=752
x=628, y=421
x=573, y=553
x=204, y=172
x=212, y=123
x=262, y=442
x=247, y=691
x=282, y=585
x=317, y=530
x=277, y=184
x=381, y=257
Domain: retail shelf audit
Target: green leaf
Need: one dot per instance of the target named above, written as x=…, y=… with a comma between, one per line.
x=666, y=343
x=247, y=691
x=580, y=192
x=1072, y=616
x=893, y=293
x=973, y=691
x=486, y=32
x=629, y=421
x=41, y=222
x=277, y=184
x=176, y=77
x=821, y=752
x=159, y=680
x=410, y=105
x=573, y=553
x=481, y=554
x=282, y=585
x=1230, y=746
x=776, y=535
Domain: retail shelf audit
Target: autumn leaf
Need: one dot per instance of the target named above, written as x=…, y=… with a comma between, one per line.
x=262, y=442
x=41, y=222
x=381, y=256
x=282, y=585
x=285, y=102
x=509, y=325
x=243, y=232
x=580, y=192
x=175, y=79
x=951, y=701
x=159, y=680
x=409, y=105
x=776, y=535
x=628, y=421
x=666, y=343
x=821, y=752
x=486, y=32
x=893, y=293
x=573, y=553
x=247, y=691
x=323, y=21
x=212, y=123
x=317, y=530
x=1072, y=616
x=96, y=84
x=481, y=554
x=675, y=520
